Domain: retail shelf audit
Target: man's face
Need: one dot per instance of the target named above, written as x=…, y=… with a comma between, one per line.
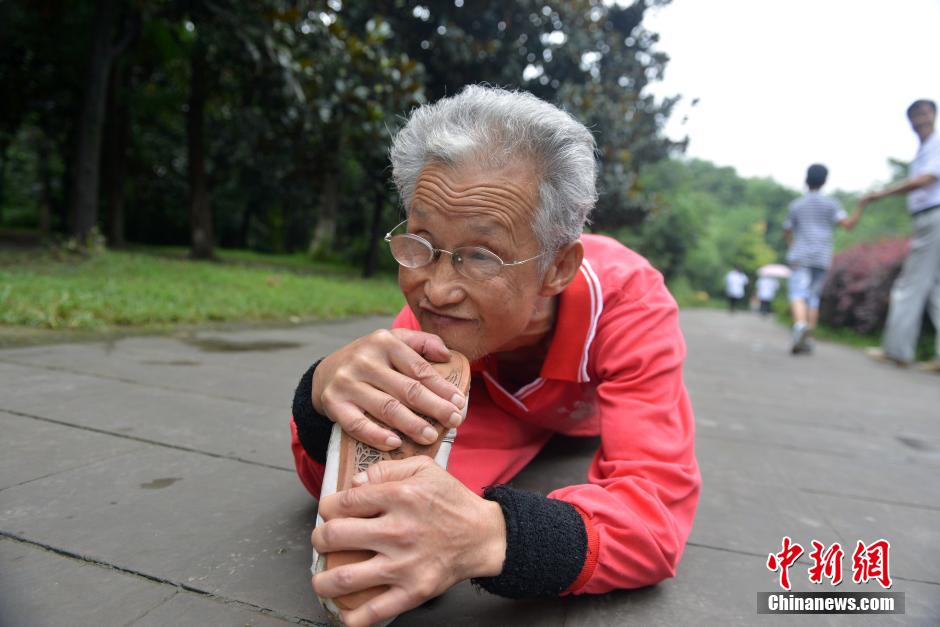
x=468, y=206
x=922, y=121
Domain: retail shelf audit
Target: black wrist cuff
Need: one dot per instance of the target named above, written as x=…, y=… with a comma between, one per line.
x=313, y=428
x=546, y=545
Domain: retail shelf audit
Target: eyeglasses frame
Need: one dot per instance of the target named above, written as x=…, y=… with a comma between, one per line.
x=436, y=253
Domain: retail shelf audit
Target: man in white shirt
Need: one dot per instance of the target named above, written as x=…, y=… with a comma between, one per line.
x=766, y=291
x=735, y=281
x=918, y=285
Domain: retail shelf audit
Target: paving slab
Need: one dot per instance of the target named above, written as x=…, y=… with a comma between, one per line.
x=222, y=527
x=31, y=449
x=902, y=482
x=31, y=593
x=182, y=419
x=42, y=589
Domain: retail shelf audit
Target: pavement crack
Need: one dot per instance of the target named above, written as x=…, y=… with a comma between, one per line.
x=870, y=499
x=160, y=580
x=94, y=462
x=726, y=550
x=160, y=604
x=135, y=438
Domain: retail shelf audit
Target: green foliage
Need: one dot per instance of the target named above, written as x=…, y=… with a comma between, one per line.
x=706, y=219
x=117, y=289
x=687, y=296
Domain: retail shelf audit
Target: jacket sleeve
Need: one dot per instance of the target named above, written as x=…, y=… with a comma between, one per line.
x=644, y=481
x=310, y=430
x=310, y=435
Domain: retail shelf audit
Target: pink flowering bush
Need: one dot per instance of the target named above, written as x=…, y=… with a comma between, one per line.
x=858, y=287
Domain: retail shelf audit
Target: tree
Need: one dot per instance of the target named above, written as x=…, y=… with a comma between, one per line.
x=200, y=215
x=83, y=206
x=114, y=158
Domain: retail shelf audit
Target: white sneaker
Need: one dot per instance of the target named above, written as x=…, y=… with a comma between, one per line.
x=347, y=456
x=798, y=338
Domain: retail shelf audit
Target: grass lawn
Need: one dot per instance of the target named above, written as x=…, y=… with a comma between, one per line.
x=299, y=261
x=116, y=290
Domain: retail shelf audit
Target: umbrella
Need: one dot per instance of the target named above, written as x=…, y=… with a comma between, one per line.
x=774, y=270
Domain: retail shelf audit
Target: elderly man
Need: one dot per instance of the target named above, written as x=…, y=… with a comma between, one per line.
x=918, y=285
x=567, y=333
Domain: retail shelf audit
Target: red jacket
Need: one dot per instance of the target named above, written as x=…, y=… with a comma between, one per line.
x=614, y=369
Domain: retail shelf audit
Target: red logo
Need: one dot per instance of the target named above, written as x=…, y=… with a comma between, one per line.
x=826, y=564
x=871, y=562
x=868, y=562
x=783, y=560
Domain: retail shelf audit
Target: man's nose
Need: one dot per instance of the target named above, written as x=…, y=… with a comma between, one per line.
x=443, y=285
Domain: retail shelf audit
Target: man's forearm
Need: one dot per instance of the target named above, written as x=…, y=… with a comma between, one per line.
x=906, y=186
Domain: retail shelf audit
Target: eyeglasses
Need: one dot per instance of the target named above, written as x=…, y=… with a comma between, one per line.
x=473, y=262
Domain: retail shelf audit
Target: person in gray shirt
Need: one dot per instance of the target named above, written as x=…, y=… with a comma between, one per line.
x=808, y=231
x=918, y=285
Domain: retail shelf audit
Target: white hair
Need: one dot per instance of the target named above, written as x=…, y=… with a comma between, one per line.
x=496, y=127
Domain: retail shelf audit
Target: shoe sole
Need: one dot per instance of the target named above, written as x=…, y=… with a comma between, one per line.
x=347, y=456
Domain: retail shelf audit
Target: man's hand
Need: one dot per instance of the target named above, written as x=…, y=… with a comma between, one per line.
x=849, y=223
x=428, y=531
x=386, y=374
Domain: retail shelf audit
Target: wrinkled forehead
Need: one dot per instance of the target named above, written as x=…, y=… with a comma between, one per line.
x=485, y=200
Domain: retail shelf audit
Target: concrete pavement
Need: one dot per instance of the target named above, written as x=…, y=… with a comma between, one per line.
x=148, y=481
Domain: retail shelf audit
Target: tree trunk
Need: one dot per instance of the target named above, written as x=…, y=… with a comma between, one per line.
x=44, y=150
x=244, y=228
x=83, y=204
x=114, y=168
x=200, y=214
x=325, y=233
x=4, y=143
x=375, y=230
x=66, y=146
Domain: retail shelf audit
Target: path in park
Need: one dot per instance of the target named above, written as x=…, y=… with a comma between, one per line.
x=148, y=481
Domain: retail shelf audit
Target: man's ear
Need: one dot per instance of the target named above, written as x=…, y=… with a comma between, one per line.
x=563, y=269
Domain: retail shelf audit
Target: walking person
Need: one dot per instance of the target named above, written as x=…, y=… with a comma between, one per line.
x=735, y=282
x=808, y=231
x=918, y=285
x=767, y=287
